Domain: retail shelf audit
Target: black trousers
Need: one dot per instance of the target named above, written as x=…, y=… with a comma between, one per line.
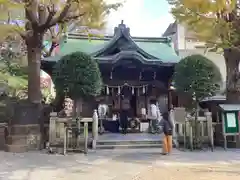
x=124, y=119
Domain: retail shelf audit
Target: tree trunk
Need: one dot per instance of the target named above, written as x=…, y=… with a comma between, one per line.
x=26, y=129
x=232, y=69
x=34, y=44
x=197, y=144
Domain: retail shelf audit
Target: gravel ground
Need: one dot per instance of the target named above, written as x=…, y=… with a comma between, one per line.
x=207, y=172
x=128, y=164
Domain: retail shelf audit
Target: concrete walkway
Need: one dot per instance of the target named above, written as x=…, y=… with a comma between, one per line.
x=142, y=164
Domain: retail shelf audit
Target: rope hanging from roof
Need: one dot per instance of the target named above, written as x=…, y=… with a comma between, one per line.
x=140, y=75
x=119, y=88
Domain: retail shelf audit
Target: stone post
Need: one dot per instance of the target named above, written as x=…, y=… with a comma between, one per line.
x=52, y=127
x=210, y=128
x=172, y=120
x=85, y=137
x=95, y=129
x=3, y=129
x=190, y=136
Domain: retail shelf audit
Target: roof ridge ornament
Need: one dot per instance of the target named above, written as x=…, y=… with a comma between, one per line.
x=122, y=28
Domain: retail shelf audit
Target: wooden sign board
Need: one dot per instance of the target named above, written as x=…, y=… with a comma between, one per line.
x=231, y=122
x=230, y=117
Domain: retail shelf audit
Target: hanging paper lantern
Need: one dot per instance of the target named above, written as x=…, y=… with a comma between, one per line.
x=111, y=75
x=113, y=91
x=154, y=77
x=107, y=90
x=119, y=90
x=144, y=90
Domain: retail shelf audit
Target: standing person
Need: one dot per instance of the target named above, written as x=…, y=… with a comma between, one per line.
x=102, y=113
x=167, y=131
x=153, y=115
x=124, y=115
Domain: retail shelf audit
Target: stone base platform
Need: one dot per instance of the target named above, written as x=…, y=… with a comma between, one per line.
x=129, y=141
x=3, y=129
x=22, y=138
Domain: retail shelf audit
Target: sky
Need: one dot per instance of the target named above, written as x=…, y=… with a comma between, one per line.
x=148, y=18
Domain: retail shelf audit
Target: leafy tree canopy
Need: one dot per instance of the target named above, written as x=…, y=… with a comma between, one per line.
x=52, y=17
x=38, y=20
x=218, y=24
x=215, y=22
x=197, y=76
x=78, y=76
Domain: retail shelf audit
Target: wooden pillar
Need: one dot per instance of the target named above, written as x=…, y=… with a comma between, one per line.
x=169, y=96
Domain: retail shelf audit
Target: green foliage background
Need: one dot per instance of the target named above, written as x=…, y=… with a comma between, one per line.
x=77, y=75
x=197, y=76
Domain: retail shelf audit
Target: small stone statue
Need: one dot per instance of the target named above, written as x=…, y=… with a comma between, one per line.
x=68, y=108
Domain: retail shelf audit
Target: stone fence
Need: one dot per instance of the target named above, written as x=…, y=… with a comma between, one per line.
x=65, y=130
x=184, y=130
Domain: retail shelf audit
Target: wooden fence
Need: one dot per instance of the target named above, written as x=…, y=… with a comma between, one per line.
x=184, y=130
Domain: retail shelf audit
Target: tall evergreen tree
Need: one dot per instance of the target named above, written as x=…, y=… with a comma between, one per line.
x=218, y=24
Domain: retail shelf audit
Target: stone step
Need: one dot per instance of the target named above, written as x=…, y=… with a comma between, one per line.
x=128, y=146
x=128, y=142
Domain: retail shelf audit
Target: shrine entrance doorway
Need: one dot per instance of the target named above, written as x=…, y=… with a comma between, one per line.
x=133, y=104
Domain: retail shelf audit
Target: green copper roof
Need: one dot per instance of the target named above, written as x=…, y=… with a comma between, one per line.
x=85, y=45
x=146, y=49
x=162, y=51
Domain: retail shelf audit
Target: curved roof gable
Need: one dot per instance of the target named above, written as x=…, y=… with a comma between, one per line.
x=123, y=32
x=150, y=49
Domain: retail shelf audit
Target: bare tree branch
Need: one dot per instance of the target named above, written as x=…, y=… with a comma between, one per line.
x=42, y=14
x=30, y=7
x=54, y=41
x=53, y=21
x=51, y=14
x=22, y=34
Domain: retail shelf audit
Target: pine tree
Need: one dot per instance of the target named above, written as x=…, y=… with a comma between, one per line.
x=41, y=17
x=218, y=24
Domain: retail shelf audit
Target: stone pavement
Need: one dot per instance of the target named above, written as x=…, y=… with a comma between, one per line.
x=140, y=164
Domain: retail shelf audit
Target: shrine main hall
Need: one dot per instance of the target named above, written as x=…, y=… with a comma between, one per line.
x=135, y=68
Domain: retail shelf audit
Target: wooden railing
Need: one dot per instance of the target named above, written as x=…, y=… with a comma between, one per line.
x=68, y=134
x=184, y=130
